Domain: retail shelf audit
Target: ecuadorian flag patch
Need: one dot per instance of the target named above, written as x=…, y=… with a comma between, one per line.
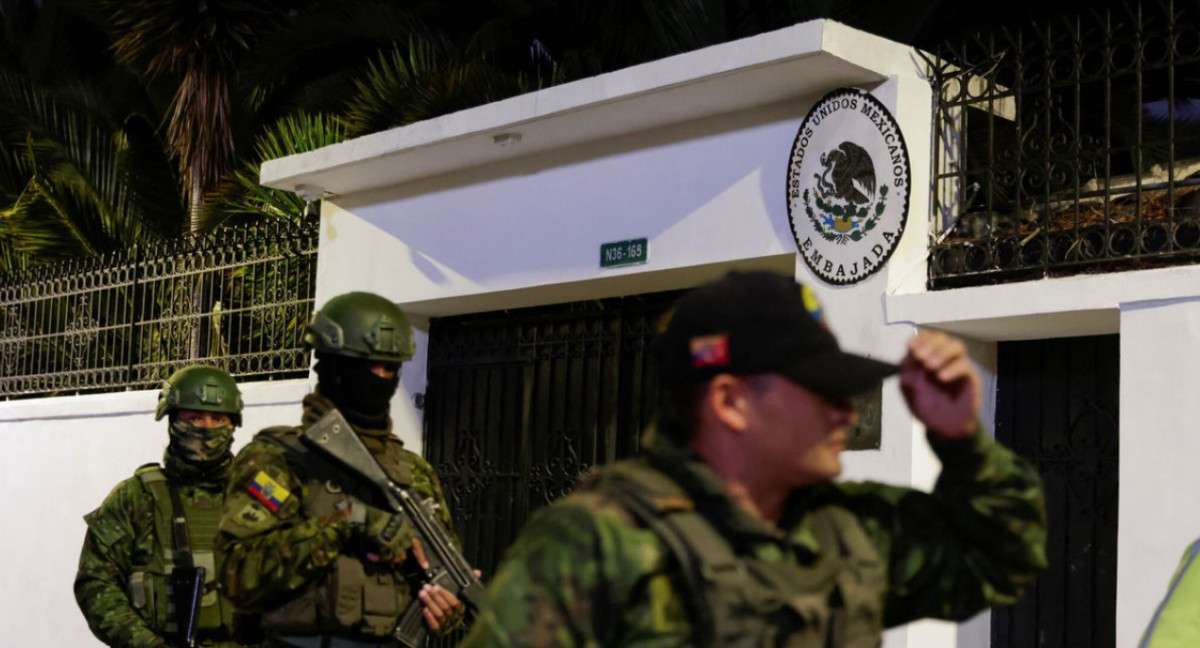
x=271, y=493
x=710, y=351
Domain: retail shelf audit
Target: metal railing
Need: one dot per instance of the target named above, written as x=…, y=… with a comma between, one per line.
x=238, y=299
x=1072, y=146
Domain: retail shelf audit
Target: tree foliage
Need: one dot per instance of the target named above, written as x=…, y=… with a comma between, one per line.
x=122, y=120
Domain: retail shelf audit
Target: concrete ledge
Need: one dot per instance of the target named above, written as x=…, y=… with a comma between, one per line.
x=1045, y=308
x=769, y=68
x=617, y=285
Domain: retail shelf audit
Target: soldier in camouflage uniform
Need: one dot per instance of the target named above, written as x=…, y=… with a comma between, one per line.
x=305, y=544
x=729, y=531
x=130, y=550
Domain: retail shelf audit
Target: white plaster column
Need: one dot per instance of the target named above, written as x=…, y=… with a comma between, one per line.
x=1159, y=502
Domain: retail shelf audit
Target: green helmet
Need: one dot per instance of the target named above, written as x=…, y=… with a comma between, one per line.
x=202, y=388
x=361, y=325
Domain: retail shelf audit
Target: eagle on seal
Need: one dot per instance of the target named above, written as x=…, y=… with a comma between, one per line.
x=853, y=174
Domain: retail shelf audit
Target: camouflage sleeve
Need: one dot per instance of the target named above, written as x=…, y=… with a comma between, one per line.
x=105, y=565
x=425, y=481
x=1175, y=623
x=267, y=547
x=576, y=577
x=978, y=539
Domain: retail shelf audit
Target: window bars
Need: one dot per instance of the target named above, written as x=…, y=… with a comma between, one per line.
x=1071, y=146
x=237, y=299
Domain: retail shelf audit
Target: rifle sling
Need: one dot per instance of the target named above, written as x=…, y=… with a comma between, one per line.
x=179, y=531
x=636, y=502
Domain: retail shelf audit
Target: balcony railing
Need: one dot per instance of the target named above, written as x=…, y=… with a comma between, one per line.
x=1071, y=146
x=237, y=299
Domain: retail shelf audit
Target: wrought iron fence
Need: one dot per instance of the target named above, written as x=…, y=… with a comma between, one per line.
x=1070, y=146
x=238, y=299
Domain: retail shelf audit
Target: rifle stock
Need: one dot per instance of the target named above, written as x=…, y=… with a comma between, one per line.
x=334, y=438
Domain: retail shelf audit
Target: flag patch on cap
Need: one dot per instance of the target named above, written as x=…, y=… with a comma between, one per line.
x=271, y=493
x=811, y=304
x=710, y=351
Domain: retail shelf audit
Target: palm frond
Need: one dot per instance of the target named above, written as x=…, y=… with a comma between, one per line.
x=14, y=174
x=242, y=200
x=298, y=134
x=32, y=233
x=426, y=79
x=66, y=203
x=96, y=181
x=322, y=44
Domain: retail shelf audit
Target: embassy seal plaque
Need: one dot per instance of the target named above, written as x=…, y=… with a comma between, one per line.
x=848, y=185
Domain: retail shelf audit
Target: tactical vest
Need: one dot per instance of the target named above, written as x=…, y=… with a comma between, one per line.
x=148, y=589
x=740, y=601
x=353, y=597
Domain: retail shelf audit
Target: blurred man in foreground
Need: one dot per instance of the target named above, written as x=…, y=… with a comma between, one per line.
x=730, y=531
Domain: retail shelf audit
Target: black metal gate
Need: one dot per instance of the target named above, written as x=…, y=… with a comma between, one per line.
x=1057, y=405
x=520, y=402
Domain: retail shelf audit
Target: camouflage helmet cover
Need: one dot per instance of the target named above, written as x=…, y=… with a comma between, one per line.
x=201, y=388
x=361, y=325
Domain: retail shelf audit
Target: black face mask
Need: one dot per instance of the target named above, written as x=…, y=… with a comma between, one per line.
x=361, y=396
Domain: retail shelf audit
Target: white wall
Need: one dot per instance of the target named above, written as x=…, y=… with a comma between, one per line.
x=702, y=192
x=708, y=195
x=1159, y=505
x=61, y=457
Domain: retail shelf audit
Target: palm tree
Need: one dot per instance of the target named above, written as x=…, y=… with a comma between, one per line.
x=199, y=43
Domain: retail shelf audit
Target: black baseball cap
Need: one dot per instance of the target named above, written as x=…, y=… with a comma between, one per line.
x=759, y=322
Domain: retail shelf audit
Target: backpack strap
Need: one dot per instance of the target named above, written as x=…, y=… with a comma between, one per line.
x=170, y=508
x=706, y=560
x=154, y=480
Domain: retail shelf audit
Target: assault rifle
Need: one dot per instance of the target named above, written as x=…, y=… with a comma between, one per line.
x=187, y=588
x=333, y=436
x=186, y=580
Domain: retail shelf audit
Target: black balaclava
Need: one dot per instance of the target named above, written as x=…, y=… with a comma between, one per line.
x=361, y=396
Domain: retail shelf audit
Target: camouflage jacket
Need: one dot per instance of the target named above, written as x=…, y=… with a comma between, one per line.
x=272, y=553
x=584, y=573
x=1176, y=622
x=122, y=536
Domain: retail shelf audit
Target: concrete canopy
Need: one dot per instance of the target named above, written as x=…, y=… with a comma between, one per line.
x=725, y=78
